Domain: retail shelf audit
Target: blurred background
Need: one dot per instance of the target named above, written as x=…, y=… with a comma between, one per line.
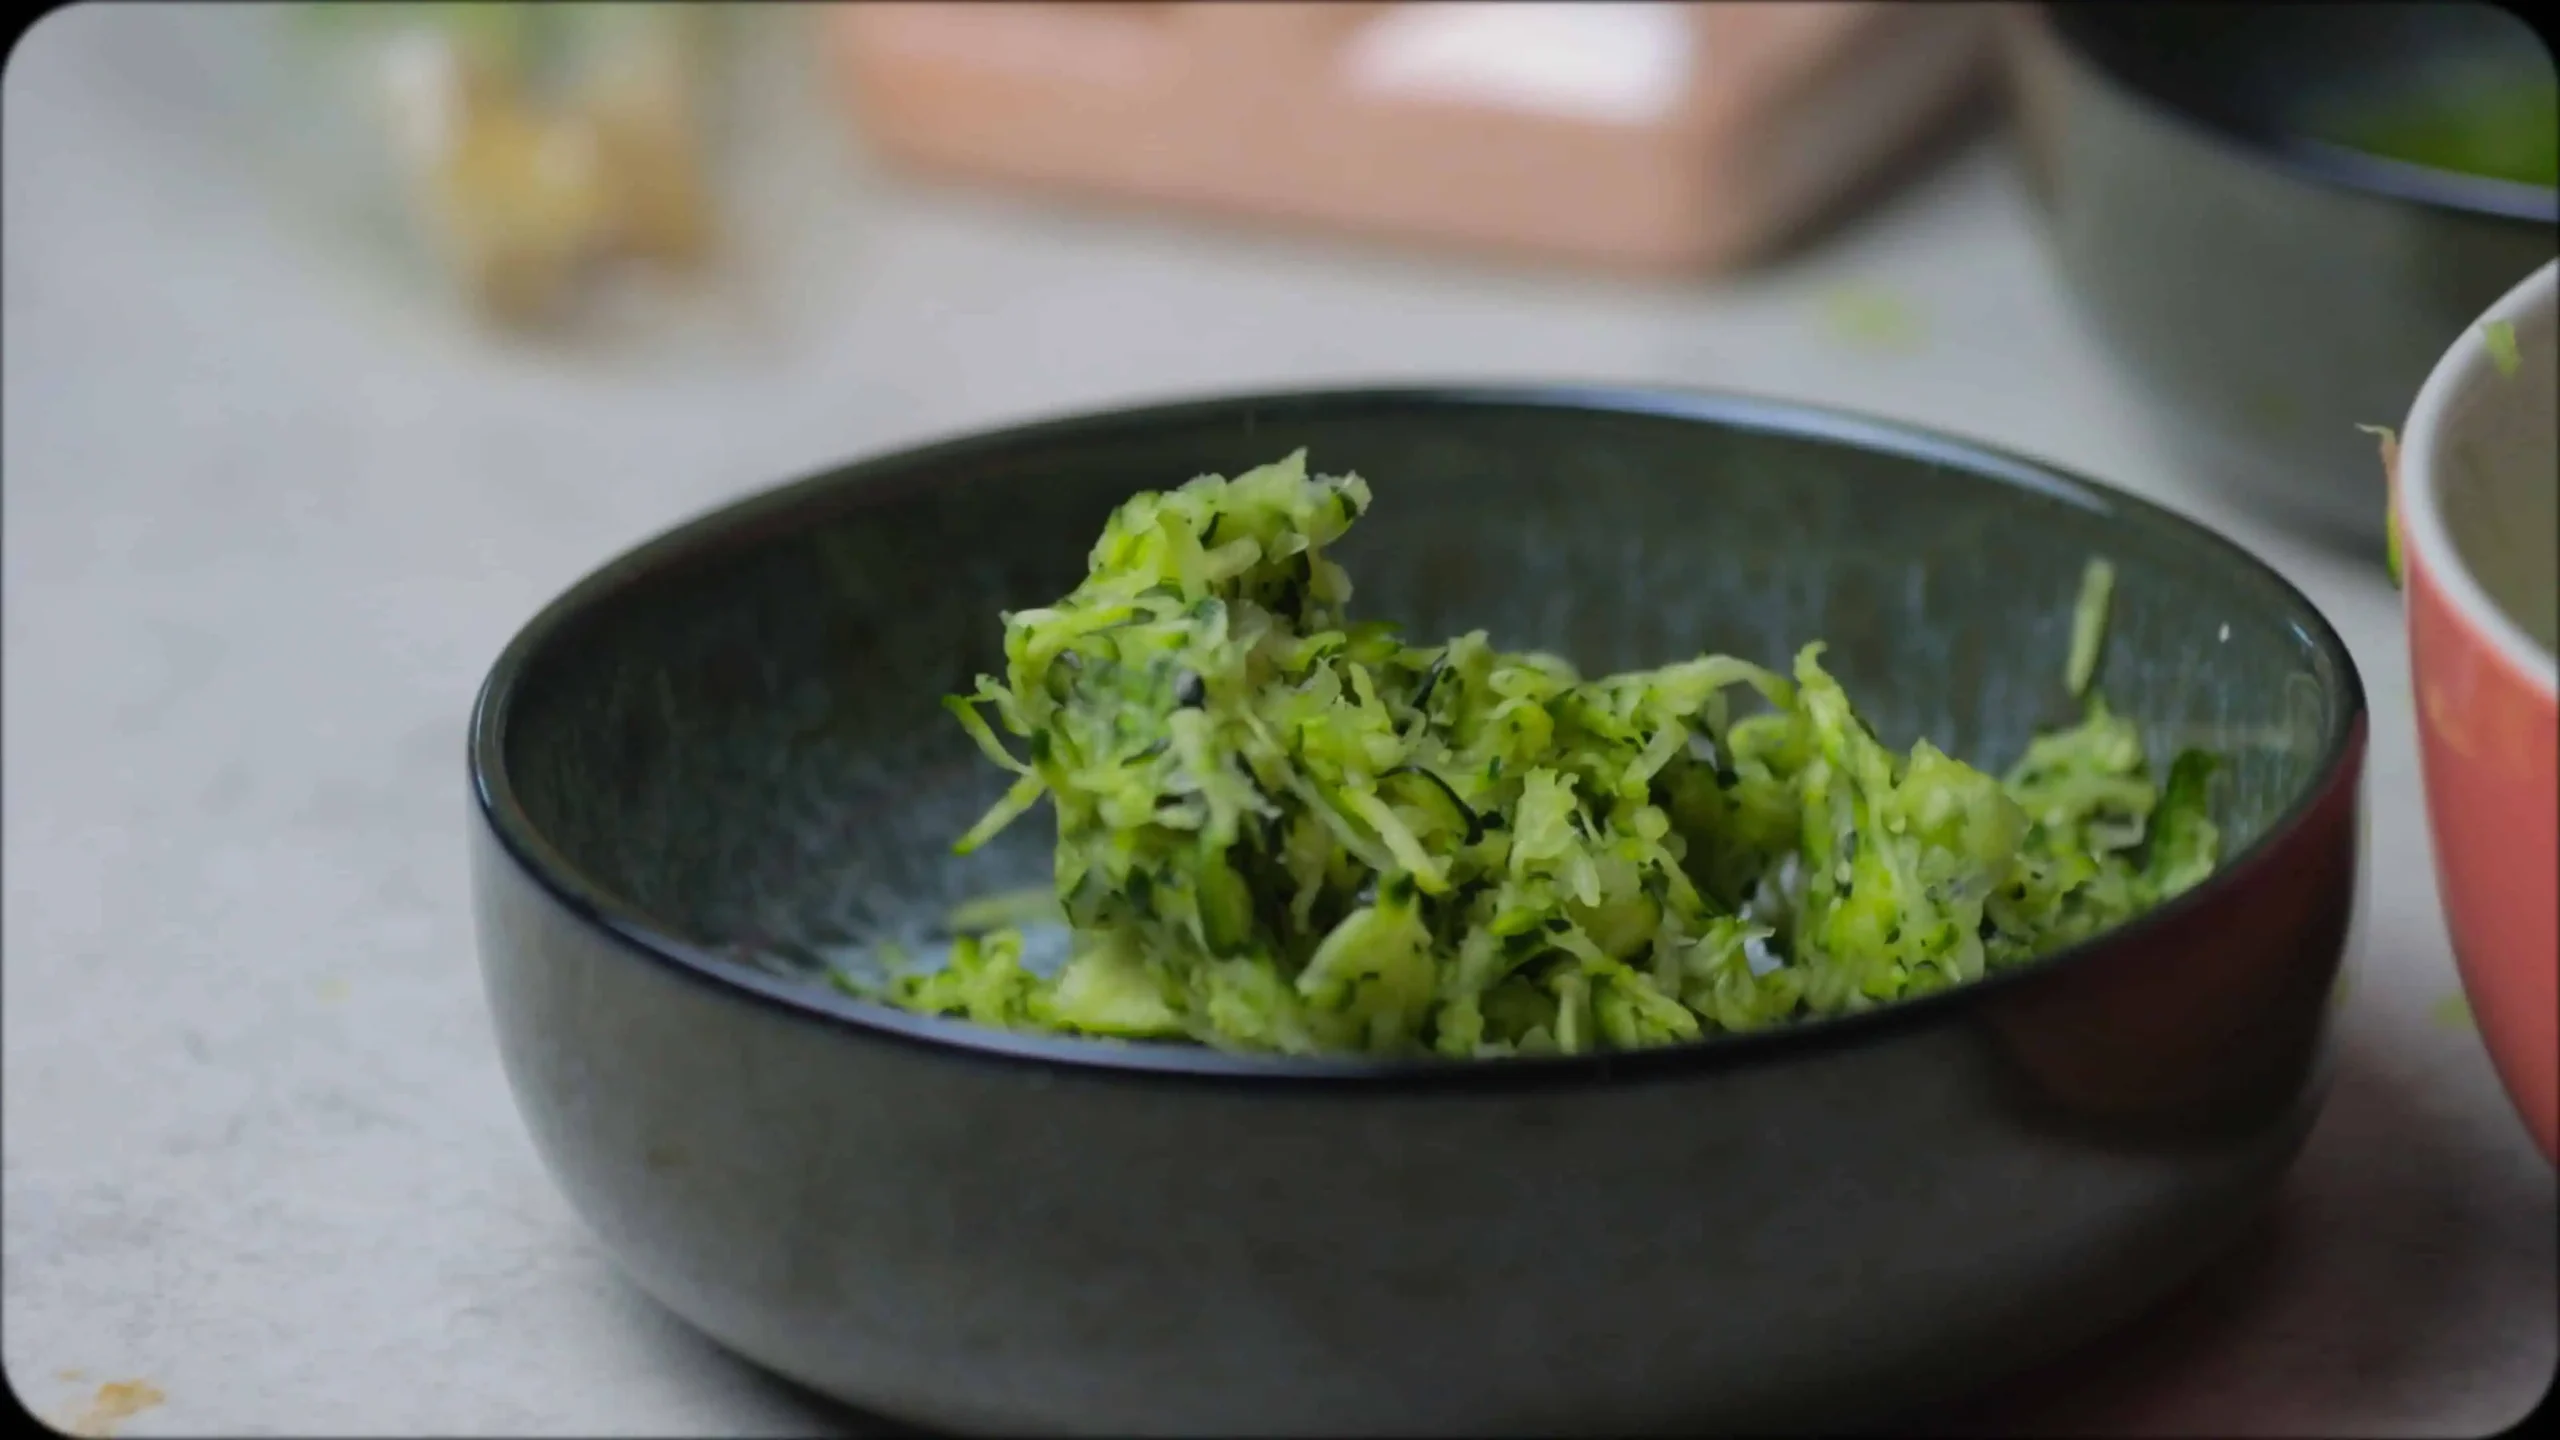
x=339, y=338
x=754, y=239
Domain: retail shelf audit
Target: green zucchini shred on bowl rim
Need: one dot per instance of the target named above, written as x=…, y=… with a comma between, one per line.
x=2500, y=337
x=1280, y=829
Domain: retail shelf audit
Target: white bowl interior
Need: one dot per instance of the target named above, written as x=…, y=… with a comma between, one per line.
x=2481, y=475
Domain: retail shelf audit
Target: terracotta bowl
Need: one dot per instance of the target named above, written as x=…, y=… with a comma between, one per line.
x=2479, y=491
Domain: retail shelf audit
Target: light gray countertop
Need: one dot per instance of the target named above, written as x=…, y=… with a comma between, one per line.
x=269, y=515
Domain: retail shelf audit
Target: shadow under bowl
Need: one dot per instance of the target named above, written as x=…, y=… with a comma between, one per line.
x=720, y=760
x=2266, y=287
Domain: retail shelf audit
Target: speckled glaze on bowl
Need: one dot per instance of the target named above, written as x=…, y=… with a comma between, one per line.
x=722, y=754
x=2479, y=505
x=2264, y=293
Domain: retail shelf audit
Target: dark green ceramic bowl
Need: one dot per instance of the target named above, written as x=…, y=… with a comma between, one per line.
x=2266, y=286
x=724, y=751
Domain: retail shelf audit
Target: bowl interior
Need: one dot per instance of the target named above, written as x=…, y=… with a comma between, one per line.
x=735, y=732
x=2497, y=476
x=2445, y=101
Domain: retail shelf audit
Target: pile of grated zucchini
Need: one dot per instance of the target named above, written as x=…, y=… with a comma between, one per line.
x=1283, y=830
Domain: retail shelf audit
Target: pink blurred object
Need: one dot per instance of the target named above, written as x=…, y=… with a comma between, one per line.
x=1636, y=136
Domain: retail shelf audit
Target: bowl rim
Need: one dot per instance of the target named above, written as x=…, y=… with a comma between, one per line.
x=2330, y=166
x=861, y=482
x=2462, y=370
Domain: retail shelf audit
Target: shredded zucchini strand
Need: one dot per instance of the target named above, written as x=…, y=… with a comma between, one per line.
x=1280, y=830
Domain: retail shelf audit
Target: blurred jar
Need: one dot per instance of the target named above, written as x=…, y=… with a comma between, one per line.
x=541, y=155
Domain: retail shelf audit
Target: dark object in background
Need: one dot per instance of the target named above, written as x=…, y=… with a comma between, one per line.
x=2267, y=284
x=725, y=750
